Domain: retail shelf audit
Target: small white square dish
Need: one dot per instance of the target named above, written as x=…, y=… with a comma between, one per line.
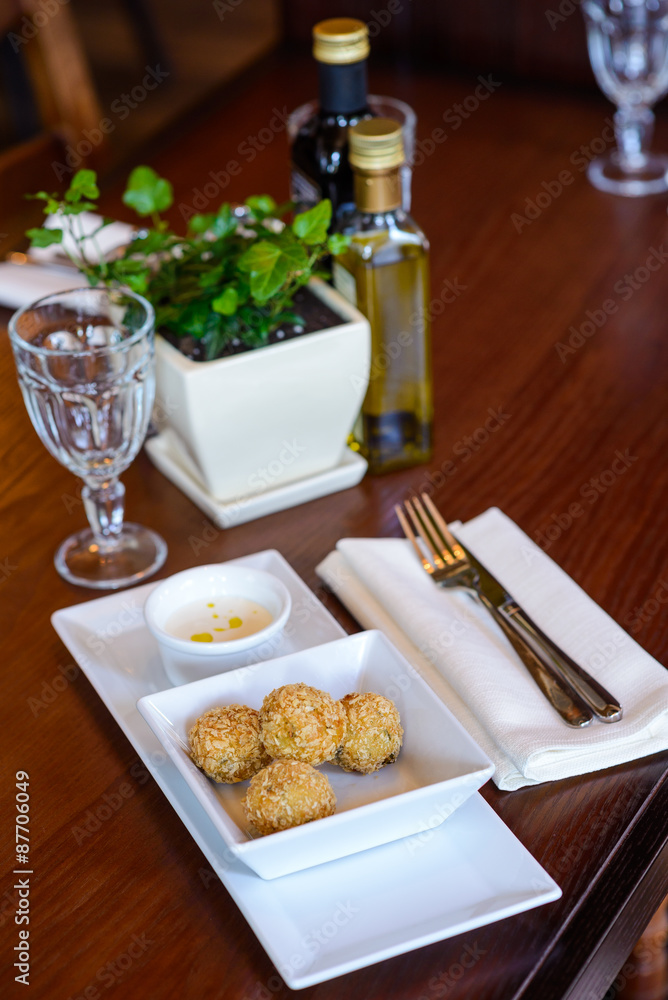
x=440, y=766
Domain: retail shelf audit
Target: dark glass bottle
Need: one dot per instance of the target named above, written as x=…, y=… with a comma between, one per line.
x=385, y=273
x=319, y=154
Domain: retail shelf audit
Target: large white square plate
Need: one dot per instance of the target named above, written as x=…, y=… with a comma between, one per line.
x=465, y=873
x=440, y=766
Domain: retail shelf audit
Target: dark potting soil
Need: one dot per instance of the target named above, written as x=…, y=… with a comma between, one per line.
x=314, y=313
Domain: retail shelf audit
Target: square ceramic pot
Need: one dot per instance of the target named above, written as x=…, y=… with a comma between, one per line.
x=265, y=418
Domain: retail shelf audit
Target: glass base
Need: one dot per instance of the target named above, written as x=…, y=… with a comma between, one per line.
x=607, y=174
x=138, y=553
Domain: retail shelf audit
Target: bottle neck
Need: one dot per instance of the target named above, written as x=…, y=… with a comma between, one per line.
x=342, y=87
x=378, y=190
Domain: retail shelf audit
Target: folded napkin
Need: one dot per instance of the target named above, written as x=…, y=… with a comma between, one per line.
x=459, y=649
x=21, y=284
x=113, y=236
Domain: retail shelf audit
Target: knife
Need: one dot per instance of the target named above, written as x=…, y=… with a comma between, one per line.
x=506, y=608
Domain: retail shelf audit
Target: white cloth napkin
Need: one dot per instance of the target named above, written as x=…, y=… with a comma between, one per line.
x=458, y=648
x=21, y=284
x=113, y=236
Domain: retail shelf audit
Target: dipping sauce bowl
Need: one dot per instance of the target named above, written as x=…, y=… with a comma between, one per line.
x=219, y=643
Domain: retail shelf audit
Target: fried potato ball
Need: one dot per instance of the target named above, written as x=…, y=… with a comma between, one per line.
x=287, y=793
x=373, y=735
x=226, y=744
x=298, y=722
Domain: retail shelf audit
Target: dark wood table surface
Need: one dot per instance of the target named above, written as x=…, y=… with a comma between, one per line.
x=525, y=256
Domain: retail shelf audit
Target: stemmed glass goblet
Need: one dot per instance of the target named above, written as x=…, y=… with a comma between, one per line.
x=85, y=361
x=628, y=49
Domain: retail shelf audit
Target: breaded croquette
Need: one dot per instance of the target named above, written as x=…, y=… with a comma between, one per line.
x=226, y=744
x=298, y=722
x=373, y=735
x=287, y=793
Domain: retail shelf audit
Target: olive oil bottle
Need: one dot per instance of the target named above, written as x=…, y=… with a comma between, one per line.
x=385, y=272
x=319, y=153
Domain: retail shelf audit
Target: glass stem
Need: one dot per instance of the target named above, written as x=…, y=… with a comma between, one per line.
x=633, y=131
x=105, y=507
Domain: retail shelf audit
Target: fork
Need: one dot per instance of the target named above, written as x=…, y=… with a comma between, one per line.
x=448, y=566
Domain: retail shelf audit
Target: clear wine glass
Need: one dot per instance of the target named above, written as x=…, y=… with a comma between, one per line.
x=85, y=360
x=628, y=49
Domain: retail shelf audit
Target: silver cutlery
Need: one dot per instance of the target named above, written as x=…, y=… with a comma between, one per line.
x=571, y=690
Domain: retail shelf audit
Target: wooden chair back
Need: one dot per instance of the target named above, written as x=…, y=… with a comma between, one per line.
x=43, y=35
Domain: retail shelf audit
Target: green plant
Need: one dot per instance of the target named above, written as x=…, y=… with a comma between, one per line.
x=230, y=279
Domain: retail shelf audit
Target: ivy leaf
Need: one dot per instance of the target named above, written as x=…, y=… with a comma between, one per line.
x=268, y=269
x=224, y=223
x=77, y=208
x=261, y=205
x=148, y=244
x=44, y=237
x=194, y=318
x=337, y=243
x=147, y=193
x=266, y=283
x=280, y=210
x=128, y=265
x=261, y=256
x=200, y=223
x=311, y=226
x=52, y=204
x=226, y=304
x=212, y=277
x=82, y=185
x=295, y=256
x=137, y=282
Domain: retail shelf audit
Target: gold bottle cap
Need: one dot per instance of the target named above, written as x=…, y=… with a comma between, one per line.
x=376, y=144
x=340, y=40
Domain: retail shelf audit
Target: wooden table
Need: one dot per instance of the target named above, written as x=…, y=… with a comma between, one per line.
x=525, y=256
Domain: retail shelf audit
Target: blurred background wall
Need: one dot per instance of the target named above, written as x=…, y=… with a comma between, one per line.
x=192, y=47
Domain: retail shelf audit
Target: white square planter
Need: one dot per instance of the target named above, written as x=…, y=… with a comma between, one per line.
x=268, y=417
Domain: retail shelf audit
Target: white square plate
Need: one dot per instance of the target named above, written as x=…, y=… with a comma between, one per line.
x=439, y=767
x=466, y=873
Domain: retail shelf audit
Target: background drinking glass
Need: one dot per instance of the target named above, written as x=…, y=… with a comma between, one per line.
x=628, y=49
x=382, y=107
x=86, y=369
x=399, y=111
